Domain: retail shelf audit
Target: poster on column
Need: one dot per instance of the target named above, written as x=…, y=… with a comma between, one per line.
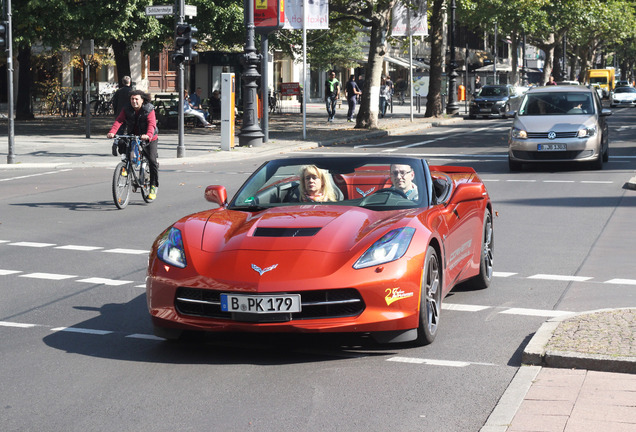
x=419, y=25
x=317, y=15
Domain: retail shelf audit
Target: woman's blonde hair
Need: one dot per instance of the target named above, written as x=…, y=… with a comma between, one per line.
x=327, y=190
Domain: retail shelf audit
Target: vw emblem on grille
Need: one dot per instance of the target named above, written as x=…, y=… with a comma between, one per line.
x=551, y=135
x=260, y=271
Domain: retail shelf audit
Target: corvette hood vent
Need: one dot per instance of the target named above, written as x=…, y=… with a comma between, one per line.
x=285, y=232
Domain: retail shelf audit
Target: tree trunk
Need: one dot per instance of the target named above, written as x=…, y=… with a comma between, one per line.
x=122, y=62
x=514, y=76
x=367, y=117
x=434, y=98
x=23, y=106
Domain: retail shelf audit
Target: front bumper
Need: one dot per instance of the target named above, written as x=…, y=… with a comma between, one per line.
x=577, y=149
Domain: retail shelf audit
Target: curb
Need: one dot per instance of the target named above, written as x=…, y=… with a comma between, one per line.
x=631, y=184
x=535, y=353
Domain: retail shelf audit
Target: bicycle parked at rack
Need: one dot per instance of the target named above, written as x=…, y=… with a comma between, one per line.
x=102, y=105
x=133, y=172
x=274, y=102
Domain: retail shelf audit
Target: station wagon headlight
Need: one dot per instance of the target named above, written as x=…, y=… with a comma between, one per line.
x=170, y=249
x=519, y=133
x=586, y=132
x=389, y=247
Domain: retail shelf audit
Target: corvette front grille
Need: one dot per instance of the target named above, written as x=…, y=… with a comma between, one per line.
x=335, y=303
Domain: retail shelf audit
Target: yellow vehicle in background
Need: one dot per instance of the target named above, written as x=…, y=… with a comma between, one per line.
x=605, y=78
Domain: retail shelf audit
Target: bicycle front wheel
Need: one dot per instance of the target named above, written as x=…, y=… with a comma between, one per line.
x=144, y=181
x=121, y=186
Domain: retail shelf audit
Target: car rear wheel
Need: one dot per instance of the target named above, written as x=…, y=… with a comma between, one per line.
x=483, y=279
x=430, y=299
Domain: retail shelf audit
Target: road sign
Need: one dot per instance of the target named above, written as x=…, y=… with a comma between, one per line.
x=190, y=10
x=159, y=10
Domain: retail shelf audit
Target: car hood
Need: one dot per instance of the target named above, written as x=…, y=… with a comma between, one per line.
x=556, y=123
x=307, y=227
x=490, y=98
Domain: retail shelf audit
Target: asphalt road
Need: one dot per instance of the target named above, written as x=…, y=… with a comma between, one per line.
x=78, y=355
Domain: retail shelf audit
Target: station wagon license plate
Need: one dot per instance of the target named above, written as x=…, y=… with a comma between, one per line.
x=260, y=304
x=552, y=147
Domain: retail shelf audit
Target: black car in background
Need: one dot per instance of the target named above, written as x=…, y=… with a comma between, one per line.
x=494, y=100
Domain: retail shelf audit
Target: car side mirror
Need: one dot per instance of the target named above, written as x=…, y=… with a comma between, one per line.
x=511, y=113
x=606, y=112
x=468, y=192
x=216, y=194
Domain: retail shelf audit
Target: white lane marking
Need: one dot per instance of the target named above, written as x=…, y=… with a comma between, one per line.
x=79, y=248
x=102, y=281
x=433, y=362
x=12, y=324
x=5, y=241
x=144, y=336
x=503, y=274
x=560, y=277
x=8, y=272
x=621, y=281
x=521, y=180
x=34, y=175
x=140, y=286
x=49, y=276
x=597, y=181
x=378, y=145
x=536, y=312
x=558, y=181
x=81, y=330
x=32, y=244
x=463, y=307
x=127, y=251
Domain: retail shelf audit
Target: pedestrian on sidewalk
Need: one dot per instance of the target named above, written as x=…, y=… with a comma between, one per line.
x=139, y=118
x=332, y=93
x=121, y=98
x=352, y=91
x=189, y=110
x=385, y=95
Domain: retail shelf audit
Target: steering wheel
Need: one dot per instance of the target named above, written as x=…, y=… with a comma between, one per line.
x=390, y=190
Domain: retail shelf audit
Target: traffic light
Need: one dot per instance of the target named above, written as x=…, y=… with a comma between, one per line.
x=4, y=27
x=184, y=42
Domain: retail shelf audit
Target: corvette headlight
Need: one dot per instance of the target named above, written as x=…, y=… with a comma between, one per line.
x=586, y=132
x=519, y=133
x=170, y=248
x=389, y=247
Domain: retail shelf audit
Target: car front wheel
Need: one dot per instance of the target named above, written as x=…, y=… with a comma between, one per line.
x=431, y=298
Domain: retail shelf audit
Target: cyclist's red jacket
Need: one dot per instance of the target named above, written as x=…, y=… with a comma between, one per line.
x=140, y=122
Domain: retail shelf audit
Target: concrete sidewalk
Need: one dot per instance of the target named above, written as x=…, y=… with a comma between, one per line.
x=579, y=372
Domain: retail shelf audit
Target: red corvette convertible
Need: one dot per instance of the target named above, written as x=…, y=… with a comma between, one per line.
x=357, y=244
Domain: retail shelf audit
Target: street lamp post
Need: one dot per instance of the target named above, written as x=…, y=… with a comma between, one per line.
x=452, y=107
x=251, y=134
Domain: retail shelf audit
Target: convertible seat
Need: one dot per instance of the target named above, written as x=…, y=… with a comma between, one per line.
x=362, y=183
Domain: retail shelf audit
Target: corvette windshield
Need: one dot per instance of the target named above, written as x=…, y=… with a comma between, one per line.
x=375, y=183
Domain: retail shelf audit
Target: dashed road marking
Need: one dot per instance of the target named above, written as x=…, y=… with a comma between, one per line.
x=463, y=307
x=102, y=281
x=34, y=175
x=81, y=330
x=79, y=248
x=127, y=251
x=49, y=276
x=8, y=272
x=560, y=277
x=435, y=362
x=14, y=324
x=32, y=244
x=621, y=281
x=536, y=312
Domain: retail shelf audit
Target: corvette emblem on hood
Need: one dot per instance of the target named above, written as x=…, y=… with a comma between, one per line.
x=265, y=270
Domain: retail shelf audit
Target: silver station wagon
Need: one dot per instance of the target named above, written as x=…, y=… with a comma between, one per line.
x=557, y=124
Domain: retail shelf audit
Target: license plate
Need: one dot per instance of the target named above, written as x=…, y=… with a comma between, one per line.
x=260, y=304
x=485, y=110
x=552, y=147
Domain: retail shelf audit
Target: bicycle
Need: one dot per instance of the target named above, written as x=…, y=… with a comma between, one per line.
x=274, y=102
x=133, y=172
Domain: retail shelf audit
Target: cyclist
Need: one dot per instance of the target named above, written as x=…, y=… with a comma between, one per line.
x=140, y=119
